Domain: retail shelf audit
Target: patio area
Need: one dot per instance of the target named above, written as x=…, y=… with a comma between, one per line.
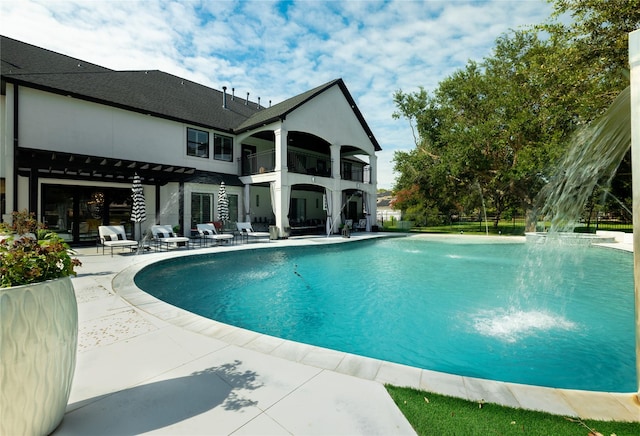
x=144, y=366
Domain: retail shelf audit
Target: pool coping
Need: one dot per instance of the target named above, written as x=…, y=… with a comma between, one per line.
x=565, y=402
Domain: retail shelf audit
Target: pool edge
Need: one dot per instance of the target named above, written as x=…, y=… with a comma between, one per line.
x=566, y=402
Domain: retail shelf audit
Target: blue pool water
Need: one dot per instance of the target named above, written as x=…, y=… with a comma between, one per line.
x=550, y=316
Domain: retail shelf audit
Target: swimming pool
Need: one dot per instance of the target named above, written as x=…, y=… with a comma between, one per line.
x=496, y=311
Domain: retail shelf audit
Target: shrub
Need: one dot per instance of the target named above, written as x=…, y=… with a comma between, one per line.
x=29, y=253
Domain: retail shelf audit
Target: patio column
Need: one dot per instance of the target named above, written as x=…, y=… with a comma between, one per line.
x=336, y=198
x=335, y=160
x=281, y=194
x=281, y=149
x=634, y=62
x=247, y=203
x=373, y=170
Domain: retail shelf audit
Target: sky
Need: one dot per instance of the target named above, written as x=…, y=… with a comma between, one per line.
x=278, y=49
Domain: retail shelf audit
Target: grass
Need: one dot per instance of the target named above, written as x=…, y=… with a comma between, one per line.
x=434, y=414
x=505, y=227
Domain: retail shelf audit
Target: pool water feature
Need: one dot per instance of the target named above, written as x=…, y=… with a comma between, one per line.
x=473, y=309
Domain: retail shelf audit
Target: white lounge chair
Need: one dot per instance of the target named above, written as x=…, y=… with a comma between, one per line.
x=246, y=230
x=113, y=237
x=163, y=236
x=209, y=232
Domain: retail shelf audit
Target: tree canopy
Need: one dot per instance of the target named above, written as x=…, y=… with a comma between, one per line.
x=494, y=129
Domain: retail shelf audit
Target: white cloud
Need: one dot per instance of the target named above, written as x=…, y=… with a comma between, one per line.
x=276, y=50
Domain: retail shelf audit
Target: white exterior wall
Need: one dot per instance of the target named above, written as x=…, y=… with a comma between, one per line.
x=170, y=198
x=330, y=117
x=202, y=188
x=53, y=122
x=264, y=209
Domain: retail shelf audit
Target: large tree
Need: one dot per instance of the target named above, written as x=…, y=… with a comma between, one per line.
x=498, y=126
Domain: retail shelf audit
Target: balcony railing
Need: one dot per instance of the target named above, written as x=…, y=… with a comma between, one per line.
x=258, y=163
x=304, y=163
x=308, y=163
x=355, y=173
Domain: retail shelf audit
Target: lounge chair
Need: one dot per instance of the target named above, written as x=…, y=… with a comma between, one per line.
x=164, y=236
x=209, y=232
x=246, y=230
x=113, y=237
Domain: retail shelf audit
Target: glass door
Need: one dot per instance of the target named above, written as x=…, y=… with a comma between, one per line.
x=58, y=210
x=76, y=212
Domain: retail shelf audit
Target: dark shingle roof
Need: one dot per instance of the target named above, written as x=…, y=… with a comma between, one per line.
x=149, y=92
x=21, y=58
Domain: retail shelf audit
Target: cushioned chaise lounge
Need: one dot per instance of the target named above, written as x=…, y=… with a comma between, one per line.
x=114, y=237
x=209, y=232
x=163, y=236
x=246, y=230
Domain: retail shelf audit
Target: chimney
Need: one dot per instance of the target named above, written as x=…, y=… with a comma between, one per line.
x=224, y=97
x=258, y=102
x=233, y=94
x=246, y=102
x=269, y=103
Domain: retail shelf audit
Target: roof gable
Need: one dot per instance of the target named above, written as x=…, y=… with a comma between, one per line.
x=281, y=110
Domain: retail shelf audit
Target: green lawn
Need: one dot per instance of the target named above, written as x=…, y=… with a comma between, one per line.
x=505, y=227
x=434, y=414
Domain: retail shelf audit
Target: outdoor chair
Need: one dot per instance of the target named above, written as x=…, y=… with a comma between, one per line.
x=362, y=225
x=246, y=231
x=163, y=236
x=114, y=237
x=209, y=232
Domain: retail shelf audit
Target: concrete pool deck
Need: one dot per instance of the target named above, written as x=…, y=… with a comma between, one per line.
x=145, y=366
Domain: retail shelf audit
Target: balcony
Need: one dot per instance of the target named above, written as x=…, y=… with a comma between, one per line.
x=355, y=172
x=258, y=163
x=305, y=163
x=308, y=163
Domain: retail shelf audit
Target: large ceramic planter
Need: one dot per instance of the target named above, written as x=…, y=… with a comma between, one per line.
x=38, y=341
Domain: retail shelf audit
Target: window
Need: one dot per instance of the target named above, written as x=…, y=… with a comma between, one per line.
x=223, y=148
x=197, y=143
x=201, y=208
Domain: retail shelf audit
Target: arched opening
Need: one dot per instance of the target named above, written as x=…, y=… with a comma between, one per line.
x=307, y=210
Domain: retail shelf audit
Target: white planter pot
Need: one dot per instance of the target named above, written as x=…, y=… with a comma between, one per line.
x=38, y=341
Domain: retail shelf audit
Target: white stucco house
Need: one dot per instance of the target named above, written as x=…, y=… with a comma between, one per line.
x=73, y=135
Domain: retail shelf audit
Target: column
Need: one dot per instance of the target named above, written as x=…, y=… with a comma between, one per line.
x=373, y=170
x=281, y=197
x=281, y=149
x=335, y=160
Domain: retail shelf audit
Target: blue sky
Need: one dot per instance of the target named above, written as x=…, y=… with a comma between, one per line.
x=275, y=50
